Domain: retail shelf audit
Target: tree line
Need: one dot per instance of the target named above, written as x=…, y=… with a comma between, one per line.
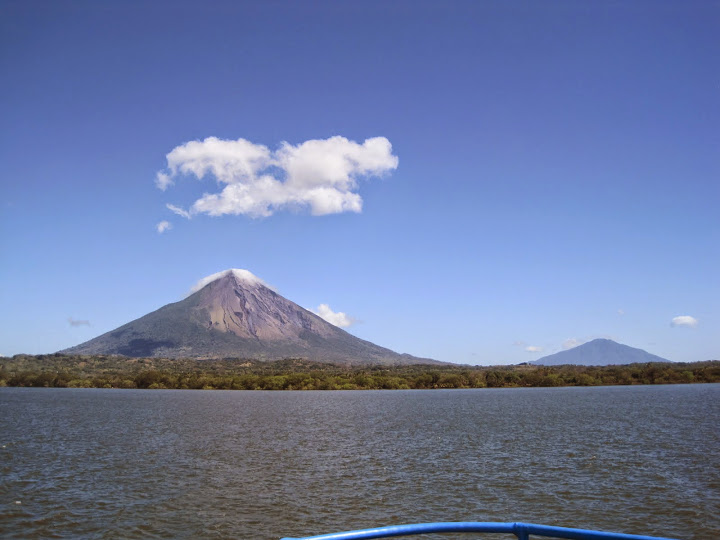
x=69, y=371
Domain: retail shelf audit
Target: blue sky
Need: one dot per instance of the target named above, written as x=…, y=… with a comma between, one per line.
x=556, y=180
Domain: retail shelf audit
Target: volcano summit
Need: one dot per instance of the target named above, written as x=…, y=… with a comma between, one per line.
x=234, y=314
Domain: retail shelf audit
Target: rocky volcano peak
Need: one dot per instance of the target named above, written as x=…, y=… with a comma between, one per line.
x=238, y=302
x=242, y=277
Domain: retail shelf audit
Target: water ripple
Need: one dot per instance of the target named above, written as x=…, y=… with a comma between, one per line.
x=90, y=463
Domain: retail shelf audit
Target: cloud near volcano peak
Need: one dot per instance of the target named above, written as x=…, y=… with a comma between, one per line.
x=320, y=175
x=338, y=318
x=684, y=320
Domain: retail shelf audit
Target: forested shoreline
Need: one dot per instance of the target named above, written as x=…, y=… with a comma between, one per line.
x=67, y=371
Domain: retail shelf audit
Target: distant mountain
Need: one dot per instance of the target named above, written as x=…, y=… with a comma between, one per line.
x=599, y=352
x=234, y=314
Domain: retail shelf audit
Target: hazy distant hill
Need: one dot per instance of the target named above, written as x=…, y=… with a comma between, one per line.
x=599, y=352
x=237, y=315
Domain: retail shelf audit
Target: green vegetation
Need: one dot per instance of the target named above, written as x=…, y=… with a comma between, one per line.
x=68, y=371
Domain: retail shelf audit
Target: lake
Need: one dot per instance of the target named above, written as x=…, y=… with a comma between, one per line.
x=95, y=463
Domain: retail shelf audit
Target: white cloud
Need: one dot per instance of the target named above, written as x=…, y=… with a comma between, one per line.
x=75, y=322
x=337, y=318
x=684, y=320
x=228, y=161
x=320, y=174
x=243, y=275
x=177, y=210
x=162, y=181
x=571, y=343
x=163, y=226
x=533, y=349
x=621, y=312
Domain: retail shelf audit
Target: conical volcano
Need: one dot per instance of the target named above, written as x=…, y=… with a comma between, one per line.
x=234, y=314
x=599, y=352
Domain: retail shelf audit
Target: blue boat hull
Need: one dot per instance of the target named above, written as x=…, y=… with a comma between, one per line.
x=521, y=530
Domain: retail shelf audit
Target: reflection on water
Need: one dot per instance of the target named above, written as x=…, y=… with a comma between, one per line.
x=223, y=464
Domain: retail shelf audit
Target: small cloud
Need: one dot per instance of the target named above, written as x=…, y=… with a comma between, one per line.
x=571, y=343
x=179, y=211
x=336, y=318
x=533, y=349
x=162, y=181
x=320, y=174
x=621, y=312
x=75, y=322
x=684, y=320
x=163, y=226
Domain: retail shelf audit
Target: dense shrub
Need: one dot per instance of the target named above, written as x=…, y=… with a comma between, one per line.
x=294, y=374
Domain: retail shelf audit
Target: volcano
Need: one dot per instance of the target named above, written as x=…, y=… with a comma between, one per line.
x=234, y=314
x=599, y=352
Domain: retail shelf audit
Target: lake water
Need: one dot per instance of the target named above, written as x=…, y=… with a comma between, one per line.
x=92, y=463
